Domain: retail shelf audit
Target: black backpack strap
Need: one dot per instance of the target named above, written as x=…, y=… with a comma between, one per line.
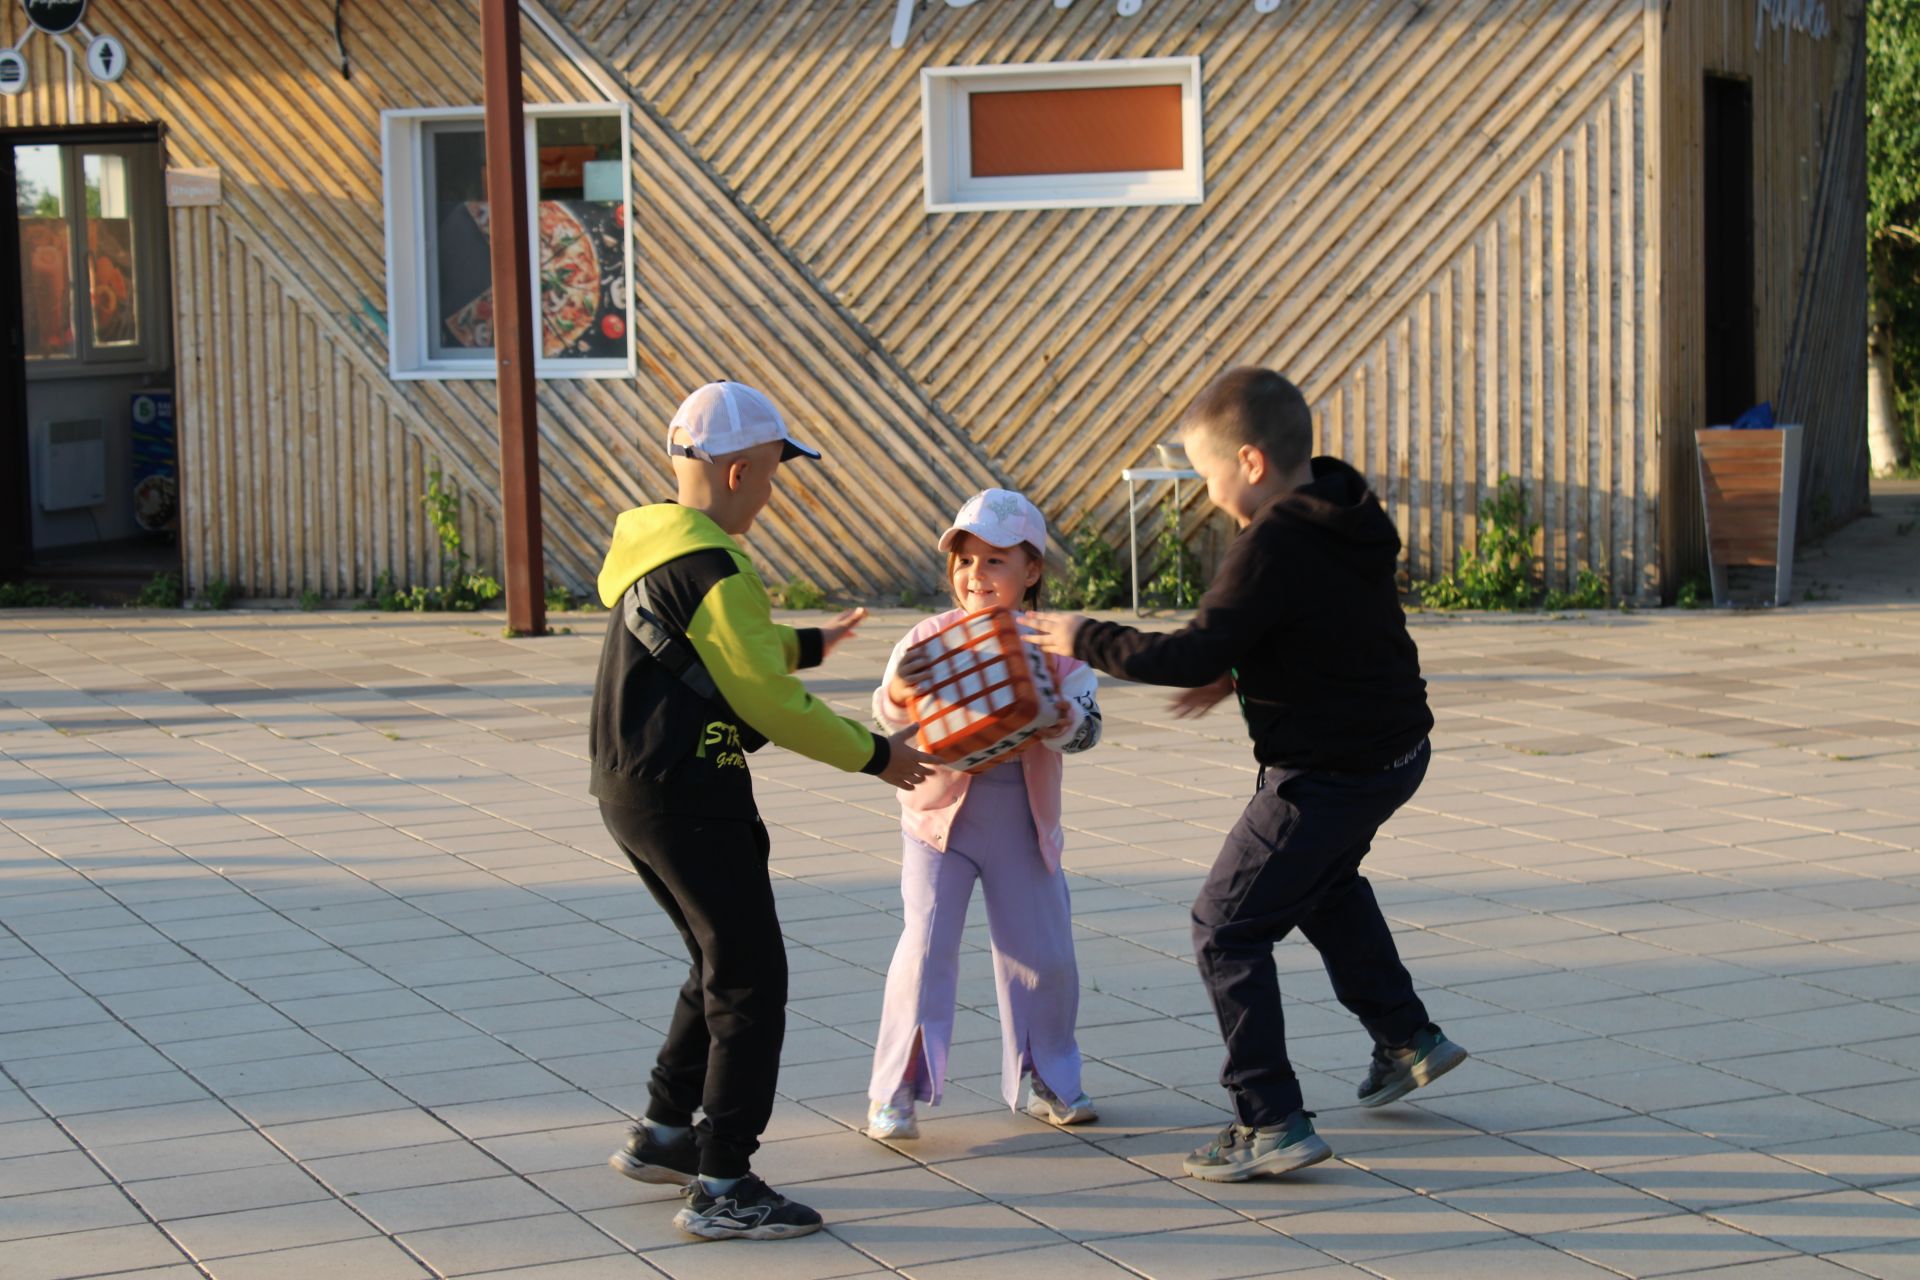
x=668, y=647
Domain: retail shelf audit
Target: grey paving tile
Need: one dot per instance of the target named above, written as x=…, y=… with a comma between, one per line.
x=107, y=1250
x=350, y=1135
x=938, y=1235
x=151, y=1124
x=1663, y=1246
x=521, y=1242
x=189, y=1195
x=174, y=1157
x=1507, y=1258
x=1828, y=1223
x=290, y=1226
x=32, y=1137
x=365, y=1259
x=71, y=1209
x=53, y=1171
x=1094, y=1213
x=815, y=1257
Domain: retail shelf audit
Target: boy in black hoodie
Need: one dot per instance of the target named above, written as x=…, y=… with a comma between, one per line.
x=1303, y=621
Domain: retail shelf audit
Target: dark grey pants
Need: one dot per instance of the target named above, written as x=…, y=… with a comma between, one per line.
x=1293, y=861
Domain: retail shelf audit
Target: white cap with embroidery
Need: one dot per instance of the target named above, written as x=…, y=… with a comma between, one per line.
x=999, y=518
x=726, y=417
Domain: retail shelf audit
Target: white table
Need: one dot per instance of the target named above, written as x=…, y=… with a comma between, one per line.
x=1133, y=475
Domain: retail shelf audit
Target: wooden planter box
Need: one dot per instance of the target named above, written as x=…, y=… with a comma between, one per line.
x=1750, y=492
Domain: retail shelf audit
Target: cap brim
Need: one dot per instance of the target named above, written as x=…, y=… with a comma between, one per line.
x=950, y=537
x=794, y=449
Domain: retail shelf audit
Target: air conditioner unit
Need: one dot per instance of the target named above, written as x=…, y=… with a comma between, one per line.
x=73, y=464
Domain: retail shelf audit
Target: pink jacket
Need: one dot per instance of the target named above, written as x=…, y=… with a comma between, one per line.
x=927, y=811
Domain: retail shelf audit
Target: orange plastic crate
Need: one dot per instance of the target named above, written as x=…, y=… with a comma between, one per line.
x=993, y=692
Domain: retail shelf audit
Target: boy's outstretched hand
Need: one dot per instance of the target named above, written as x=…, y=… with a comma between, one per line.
x=907, y=765
x=1190, y=703
x=839, y=629
x=1053, y=632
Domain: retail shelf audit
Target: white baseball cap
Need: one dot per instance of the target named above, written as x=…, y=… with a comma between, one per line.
x=726, y=417
x=999, y=518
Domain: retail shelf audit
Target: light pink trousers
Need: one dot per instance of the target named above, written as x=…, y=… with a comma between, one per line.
x=1031, y=924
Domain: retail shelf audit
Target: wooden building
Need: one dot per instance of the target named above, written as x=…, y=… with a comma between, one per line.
x=1545, y=238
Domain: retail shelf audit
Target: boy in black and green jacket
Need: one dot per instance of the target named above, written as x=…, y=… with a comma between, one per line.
x=694, y=675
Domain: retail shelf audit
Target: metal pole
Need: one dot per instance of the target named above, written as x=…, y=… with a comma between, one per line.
x=1179, y=549
x=1133, y=549
x=513, y=318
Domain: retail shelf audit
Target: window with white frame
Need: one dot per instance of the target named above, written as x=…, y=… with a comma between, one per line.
x=439, y=270
x=90, y=259
x=1062, y=135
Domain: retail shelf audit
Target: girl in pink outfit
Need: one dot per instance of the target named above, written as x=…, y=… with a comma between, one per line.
x=1000, y=827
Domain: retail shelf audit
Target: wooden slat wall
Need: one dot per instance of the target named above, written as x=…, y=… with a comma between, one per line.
x=1436, y=216
x=302, y=475
x=1809, y=249
x=250, y=87
x=1432, y=216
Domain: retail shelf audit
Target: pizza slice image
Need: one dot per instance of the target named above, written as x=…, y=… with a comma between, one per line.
x=472, y=325
x=570, y=285
x=569, y=280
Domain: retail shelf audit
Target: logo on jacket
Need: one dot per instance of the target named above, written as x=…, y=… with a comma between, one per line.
x=724, y=737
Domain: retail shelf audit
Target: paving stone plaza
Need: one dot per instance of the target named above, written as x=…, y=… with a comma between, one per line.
x=317, y=962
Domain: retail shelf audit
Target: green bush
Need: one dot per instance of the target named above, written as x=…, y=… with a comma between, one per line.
x=1176, y=583
x=218, y=594
x=800, y=593
x=310, y=600
x=1589, y=592
x=1094, y=577
x=1497, y=572
x=34, y=595
x=461, y=589
x=162, y=591
x=1690, y=594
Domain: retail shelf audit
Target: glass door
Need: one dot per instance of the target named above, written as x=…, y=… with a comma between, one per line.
x=85, y=300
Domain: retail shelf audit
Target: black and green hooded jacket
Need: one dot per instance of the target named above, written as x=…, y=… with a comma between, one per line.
x=658, y=744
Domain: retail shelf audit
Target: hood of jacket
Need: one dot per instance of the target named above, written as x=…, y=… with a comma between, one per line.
x=647, y=537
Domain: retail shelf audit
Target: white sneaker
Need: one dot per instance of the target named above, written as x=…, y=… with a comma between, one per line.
x=890, y=1122
x=1044, y=1104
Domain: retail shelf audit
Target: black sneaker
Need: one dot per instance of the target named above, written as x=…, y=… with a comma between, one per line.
x=1240, y=1153
x=644, y=1159
x=1398, y=1072
x=748, y=1210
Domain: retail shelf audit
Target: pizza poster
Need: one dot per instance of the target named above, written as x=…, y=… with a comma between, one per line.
x=582, y=278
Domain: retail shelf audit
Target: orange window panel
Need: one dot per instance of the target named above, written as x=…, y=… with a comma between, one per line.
x=1123, y=129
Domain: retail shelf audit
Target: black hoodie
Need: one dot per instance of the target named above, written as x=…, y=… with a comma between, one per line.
x=1305, y=613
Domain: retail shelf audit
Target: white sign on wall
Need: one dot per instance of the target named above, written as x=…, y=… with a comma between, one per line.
x=13, y=72
x=192, y=188
x=106, y=59
x=903, y=11
x=1806, y=16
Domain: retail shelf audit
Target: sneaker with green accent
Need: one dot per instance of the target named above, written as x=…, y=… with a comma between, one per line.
x=1240, y=1153
x=1044, y=1104
x=1395, y=1073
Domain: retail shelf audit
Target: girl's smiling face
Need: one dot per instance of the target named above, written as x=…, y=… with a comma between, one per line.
x=983, y=576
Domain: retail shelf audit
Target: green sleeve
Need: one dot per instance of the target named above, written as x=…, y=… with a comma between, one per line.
x=751, y=659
